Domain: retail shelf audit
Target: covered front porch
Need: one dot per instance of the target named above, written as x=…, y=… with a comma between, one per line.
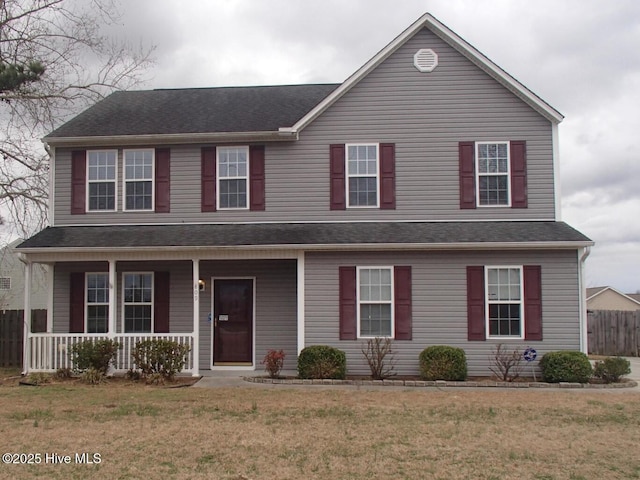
x=229, y=306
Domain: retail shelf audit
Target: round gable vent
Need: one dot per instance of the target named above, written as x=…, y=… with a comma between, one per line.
x=425, y=60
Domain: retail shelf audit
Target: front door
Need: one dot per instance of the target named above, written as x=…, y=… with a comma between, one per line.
x=233, y=322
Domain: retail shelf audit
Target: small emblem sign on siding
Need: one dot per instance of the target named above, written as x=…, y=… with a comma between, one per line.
x=425, y=60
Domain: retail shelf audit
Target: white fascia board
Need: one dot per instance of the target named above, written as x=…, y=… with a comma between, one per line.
x=280, y=251
x=171, y=139
x=442, y=31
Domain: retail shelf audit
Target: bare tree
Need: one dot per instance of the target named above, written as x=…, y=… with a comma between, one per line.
x=54, y=61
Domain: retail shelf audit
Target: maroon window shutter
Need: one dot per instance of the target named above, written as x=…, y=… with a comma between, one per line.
x=161, y=286
x=256, y=177
x=475, y=303
x=163, y=179
x=78, y=182
x=402, y=300
x=466, y=153
x=76, y=302
x=518, y=153
x=348, y=318
x=208, y=195
x=338, y=180
x=532, y=302
x=387, y=176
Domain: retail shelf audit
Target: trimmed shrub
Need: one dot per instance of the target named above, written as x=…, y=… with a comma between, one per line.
x=565, y=366
x=442, y=362
x=96, y=355
x=322, y=361
x=159, y=357
x=611, y=369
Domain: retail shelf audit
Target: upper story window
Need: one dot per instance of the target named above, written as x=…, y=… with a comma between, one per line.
x=97, y=305
x=362, y=175
x=504, y=301
x=138, y=179
x=101, y=180
x=375, y=301
x=233, y=177
x=5, y=283
x=493, y=173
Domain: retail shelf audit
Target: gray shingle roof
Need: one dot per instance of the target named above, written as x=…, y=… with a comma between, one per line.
x=196, y=110
x=298, y=234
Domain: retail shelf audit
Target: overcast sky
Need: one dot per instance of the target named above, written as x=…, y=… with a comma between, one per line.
x=581, y=56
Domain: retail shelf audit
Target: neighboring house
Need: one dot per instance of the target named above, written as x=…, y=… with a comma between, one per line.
x=608, y=298
x=417, y=200
x=12, y=281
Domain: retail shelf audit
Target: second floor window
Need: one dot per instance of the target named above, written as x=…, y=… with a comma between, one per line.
x=362, y=175
x=493, y=173
x=233, y=177
x=138, y=179
x=101, y=179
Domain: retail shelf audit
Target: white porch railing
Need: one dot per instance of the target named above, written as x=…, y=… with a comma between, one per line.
x=50, y=351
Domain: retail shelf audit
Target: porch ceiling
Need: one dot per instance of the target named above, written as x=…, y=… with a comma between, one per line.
x=307, y=236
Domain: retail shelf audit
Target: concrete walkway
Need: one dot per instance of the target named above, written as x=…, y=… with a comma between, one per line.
x=234, y=380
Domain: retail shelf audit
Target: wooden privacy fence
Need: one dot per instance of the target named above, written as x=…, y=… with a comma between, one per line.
x=12, y=331
x=614, y=332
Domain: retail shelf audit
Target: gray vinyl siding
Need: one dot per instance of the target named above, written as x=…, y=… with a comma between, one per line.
x=424, y=114
x=439, y=304
x=275, y=294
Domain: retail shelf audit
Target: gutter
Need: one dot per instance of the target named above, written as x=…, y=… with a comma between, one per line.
x=171, y=138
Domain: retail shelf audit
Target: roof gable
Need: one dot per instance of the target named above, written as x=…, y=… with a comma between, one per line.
x=459, y=44
x=596, y=291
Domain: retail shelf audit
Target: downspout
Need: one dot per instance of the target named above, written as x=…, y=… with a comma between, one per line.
x=26, y=318
x=583, y=253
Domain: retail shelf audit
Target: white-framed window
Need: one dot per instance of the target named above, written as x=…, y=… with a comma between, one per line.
x=505, y=312
x=5, y=283
x=493, y=174
x=138, y=179
x=137, y=299
x=375, y=301
x=102, y=171
x=233, y=177
x=97, y=303
x=363, y=170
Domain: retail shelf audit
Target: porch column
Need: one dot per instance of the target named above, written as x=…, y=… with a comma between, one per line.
x=112, y=299
x=196, y=317
x=50, y=272
x=300, y=290
x=26, y=351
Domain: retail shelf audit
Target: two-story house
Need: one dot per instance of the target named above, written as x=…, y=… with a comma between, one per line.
x=418, y=200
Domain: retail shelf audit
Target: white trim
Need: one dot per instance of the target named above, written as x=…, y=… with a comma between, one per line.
x=115, y=181
x=253, y=328
x=196, y=315
x=390, y=302
x=301, y=302
x=582, y=254
x=246, y=178
x=557, y=183
x=28, y=270
x=125, y=181
x=456, y=42
x=172, y=138
x=487, y=300
x=496, y=174
x=50, y=280
x=348, y=175
x=52, y=181
x=113, y=279
x=86, y=301
x=124, y=304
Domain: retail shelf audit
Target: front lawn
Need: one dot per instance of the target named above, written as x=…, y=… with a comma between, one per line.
x=262, y=433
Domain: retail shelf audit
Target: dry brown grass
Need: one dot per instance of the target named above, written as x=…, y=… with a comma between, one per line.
x=285, y=433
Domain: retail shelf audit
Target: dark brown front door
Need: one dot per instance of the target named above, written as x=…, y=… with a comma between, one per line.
x=233, y=321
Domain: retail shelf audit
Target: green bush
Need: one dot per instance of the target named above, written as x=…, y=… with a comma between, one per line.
x=441, y=362
x=611, y=369
x=565, y=366
x=322, y=361
x=97, y=355
x=160, y=357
